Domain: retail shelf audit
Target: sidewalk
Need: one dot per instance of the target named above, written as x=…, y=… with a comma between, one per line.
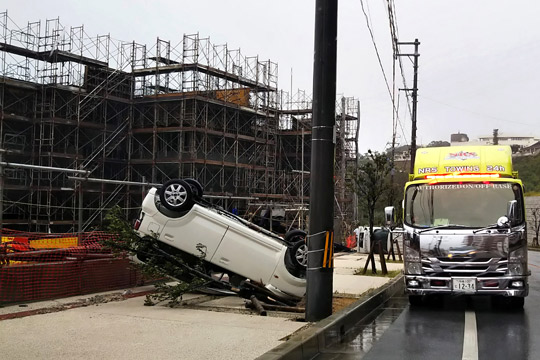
x=346, y=264
x=124, y=328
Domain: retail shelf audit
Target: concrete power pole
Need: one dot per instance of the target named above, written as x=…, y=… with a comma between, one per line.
x=414, y=90
x=320, y=267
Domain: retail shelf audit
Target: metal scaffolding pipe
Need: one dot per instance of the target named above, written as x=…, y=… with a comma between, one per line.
x=38, y=167
x=108, y=181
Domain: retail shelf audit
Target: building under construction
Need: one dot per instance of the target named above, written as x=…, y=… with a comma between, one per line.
x=90, y=122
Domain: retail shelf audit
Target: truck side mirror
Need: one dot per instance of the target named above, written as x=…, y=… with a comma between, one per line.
x=390, y=216
x=511, y=211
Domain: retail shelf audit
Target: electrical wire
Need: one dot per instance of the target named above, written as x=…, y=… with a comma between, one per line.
x=395, y=35
x=376, y=48
x=368, y=23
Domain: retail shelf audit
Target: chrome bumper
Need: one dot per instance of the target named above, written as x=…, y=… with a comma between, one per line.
x=503, y=287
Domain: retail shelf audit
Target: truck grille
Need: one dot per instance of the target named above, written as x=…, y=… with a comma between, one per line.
x=465, y=266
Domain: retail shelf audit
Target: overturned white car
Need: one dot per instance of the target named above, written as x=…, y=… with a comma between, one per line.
x=185, y=224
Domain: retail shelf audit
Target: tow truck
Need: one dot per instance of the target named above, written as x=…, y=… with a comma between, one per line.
x=464, y=225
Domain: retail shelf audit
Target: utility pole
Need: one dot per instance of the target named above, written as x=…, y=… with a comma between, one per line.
x=414, y=90
x=320, y=267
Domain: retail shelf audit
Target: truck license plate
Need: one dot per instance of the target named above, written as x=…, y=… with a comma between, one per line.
x=464, y=285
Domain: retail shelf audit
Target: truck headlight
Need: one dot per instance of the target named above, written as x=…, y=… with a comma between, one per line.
x=517, y=261
x=412, y=259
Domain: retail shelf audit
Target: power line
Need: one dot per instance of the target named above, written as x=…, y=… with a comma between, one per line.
x=376, y=48
x=380, y=61
x=394, y=36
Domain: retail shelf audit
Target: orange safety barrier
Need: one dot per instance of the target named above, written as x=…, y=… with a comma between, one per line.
x=37, y=266
x=351, y=241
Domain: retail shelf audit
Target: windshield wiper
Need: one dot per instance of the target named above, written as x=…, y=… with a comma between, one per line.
x=502, y=223
x=490, y=227
x=441, y=227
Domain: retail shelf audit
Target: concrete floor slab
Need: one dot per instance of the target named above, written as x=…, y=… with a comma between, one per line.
x=130, y=330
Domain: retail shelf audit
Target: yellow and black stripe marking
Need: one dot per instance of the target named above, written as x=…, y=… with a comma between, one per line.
x=328, y=260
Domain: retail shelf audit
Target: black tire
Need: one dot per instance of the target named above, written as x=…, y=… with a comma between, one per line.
x=293, y=236
x=508, y=303
x=176, y=195
x=416, y=300
x=196, y=188
x=296, y=256
x=298, y=250
x=516, y=303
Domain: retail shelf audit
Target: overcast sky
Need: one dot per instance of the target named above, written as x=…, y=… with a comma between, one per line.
x=478, y=59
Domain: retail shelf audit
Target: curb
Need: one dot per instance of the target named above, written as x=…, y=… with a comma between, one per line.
x=308, y=343
x=115, y=296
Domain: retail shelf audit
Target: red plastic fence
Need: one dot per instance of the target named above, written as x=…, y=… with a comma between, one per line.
x=37, y=266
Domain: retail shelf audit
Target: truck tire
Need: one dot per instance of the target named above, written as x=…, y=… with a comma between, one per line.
x=176, y=195
x=508, y=303
x=416, y=300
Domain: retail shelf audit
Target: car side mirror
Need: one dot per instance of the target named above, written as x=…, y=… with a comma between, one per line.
x=390, y=216
x=511, y=211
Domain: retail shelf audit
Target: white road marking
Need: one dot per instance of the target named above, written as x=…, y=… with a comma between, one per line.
x=470, y=337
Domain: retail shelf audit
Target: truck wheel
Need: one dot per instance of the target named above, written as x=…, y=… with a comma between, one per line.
x=196, y=188
x=176, y=195
x=516, y=303
x=508, y=303
x=415, y=300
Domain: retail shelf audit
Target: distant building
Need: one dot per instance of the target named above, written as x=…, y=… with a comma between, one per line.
x=531, y=150
x=519, y=141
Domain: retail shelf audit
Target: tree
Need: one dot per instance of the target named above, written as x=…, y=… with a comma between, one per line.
x=534, y=223
x=371, y=183
x=515, y=148
x=438, y=143
x=156, y=266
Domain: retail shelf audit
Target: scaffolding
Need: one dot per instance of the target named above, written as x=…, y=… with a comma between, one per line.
x=130, y=113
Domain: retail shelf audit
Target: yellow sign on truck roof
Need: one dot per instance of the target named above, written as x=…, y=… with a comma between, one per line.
x=474, y=160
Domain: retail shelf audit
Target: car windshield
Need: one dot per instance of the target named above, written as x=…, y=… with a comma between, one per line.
x=476, y=204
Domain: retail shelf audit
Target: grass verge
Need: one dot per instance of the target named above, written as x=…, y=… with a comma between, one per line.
x=391, y=273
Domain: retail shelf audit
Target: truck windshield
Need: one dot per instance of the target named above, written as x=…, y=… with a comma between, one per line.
x=475, y=204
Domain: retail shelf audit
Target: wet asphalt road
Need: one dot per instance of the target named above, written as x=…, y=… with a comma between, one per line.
x=454, y=328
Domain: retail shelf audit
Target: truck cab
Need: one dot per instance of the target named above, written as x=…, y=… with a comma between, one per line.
x=464, y=225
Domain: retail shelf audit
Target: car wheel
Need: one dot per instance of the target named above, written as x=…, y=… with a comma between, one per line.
x=299, y=253
x=196, y=188
x=296, y=257
x=176, y=195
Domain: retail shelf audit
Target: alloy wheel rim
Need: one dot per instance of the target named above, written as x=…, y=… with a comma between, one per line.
x=175, y=195
x=301, y=255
